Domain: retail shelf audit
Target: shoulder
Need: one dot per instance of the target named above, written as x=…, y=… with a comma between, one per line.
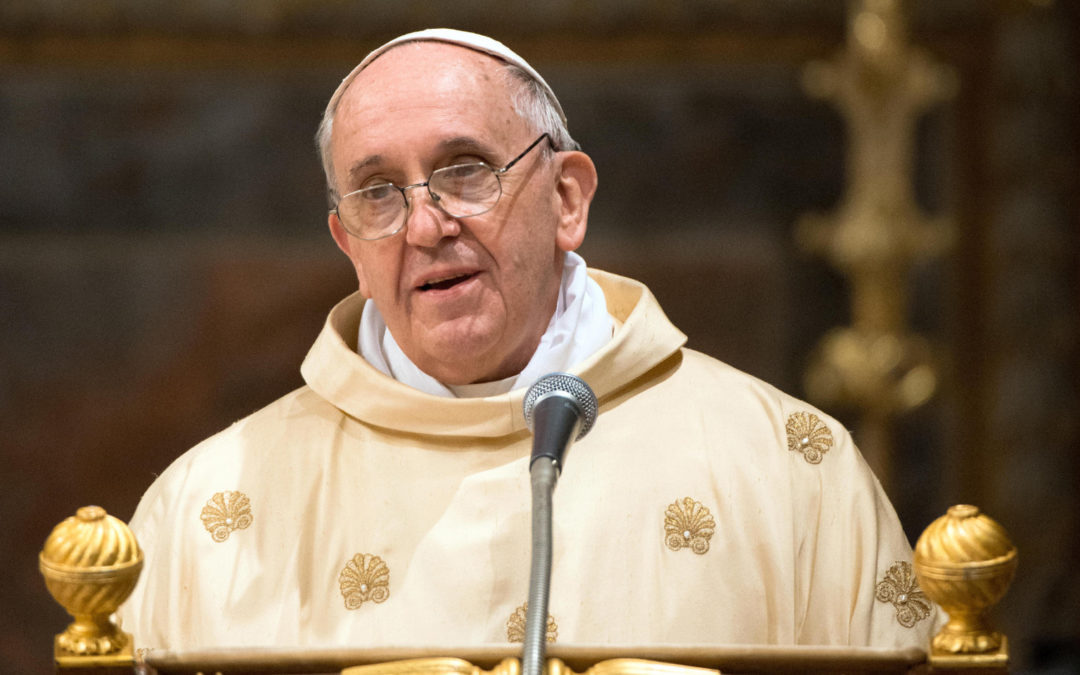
x=747, y=400
x=737, y=427
x=298, y=411
x=265, y=437
x=847, y=534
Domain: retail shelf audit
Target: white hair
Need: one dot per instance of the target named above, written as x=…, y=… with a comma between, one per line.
x=531, y=102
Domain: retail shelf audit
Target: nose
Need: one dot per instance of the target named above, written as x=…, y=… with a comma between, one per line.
x=425, y=222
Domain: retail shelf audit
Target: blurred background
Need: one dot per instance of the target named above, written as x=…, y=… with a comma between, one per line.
x=165, y=262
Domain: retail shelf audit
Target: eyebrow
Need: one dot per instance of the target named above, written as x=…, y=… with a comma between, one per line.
x=358, y=168
x=450, y=145
x=466, y=144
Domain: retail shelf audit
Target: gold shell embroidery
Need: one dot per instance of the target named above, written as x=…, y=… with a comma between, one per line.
x=806, y=433
x=365, y=577
x=688, y=525
x=902, y=589
x=226, y=512
x=515, y=626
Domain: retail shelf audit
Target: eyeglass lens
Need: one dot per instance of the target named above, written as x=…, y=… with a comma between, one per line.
x=461, y=191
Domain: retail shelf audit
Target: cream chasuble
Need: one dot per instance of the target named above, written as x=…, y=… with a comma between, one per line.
x=705, y=507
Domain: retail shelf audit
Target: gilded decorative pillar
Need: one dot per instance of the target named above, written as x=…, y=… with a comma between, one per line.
x=876, y=365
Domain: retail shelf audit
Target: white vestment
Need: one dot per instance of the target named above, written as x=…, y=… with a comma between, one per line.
x=705, y=507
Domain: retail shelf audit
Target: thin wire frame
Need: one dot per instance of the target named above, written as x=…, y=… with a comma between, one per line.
x=435, y=197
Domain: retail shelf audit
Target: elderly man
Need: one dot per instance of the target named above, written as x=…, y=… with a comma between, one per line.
x=386, y=502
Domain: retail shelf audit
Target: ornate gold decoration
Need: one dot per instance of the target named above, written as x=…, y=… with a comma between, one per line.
x=688, y=524
x=965, y=563
x=902, y=589
x=91, y=562
x=452, y=666
x=365, y=577
x=226, y=512
x=438, y=665
x=515, y=626
x=881, y=85
x=806, y=433
x=628, y=667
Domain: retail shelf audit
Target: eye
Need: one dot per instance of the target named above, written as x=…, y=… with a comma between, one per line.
x=465, y=186
x=377, y=193
x=462, y=173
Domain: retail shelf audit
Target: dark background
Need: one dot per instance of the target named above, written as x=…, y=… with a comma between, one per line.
x=165, y=264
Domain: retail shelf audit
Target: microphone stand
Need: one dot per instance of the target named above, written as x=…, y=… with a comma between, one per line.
x=543, y=474
x=558, y=408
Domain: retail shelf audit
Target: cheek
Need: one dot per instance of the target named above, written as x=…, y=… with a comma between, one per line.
x=358, y=267
x=531, y=277
x=365, y=289
x=373, y=271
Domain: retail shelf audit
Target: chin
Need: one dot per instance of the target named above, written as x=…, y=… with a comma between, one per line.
x=460, y=359
x=456, y=376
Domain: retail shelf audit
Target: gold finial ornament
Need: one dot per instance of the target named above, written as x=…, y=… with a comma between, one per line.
x=965, y=562
x=91, y=562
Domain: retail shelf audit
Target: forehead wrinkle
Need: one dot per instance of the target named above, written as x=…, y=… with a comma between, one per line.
x=463, y=68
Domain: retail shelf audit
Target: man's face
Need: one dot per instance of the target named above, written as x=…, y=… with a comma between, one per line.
x=467, y=299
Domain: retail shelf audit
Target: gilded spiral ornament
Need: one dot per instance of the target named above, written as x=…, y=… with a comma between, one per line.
x=688, y=524
x=365, y=577
x=515, y=626
x=225, y=513
x=806, y=433
x=965, y=562
x=91, y=562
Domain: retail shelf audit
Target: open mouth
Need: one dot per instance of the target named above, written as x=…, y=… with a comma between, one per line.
x=446, y=283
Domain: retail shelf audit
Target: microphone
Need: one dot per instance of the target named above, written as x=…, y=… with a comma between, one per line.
x=559, y=409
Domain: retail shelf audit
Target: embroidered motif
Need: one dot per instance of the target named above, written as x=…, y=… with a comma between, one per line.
x=806, y=433
x=902, y=589
x=515, y=626
x=226, y=512
x=688, y=524
x=365, y=577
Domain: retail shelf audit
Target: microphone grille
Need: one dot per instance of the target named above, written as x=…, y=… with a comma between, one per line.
x=568, y=384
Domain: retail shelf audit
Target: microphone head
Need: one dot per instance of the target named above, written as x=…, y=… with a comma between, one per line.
x=564, y=384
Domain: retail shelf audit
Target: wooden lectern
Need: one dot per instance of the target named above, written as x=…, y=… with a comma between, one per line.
x=964, y=562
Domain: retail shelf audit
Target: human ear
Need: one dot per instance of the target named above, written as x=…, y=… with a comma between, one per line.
x=349, y=247
x=576, y=186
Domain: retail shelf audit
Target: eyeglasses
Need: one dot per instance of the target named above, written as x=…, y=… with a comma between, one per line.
x=461, y=190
